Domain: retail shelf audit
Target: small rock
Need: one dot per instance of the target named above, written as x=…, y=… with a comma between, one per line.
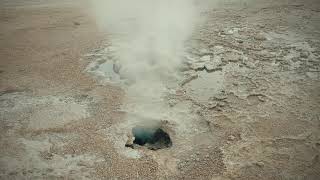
x=259, y=164
x=212, y=104
x=304, y=54
x=221, y=104
x=222, y=33
x=232, y=31
x=229, y=32
x=260, y=37
x=240, y=41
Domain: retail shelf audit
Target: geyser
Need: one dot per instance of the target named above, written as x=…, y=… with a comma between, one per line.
x=153, y=138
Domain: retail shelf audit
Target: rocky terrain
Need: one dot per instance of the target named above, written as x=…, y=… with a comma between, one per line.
x=244, y=105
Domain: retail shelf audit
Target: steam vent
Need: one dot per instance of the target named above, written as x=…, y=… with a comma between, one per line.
x=153, y=138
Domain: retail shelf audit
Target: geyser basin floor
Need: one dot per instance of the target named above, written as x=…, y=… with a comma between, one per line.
x=264, y=126
x=153, y=138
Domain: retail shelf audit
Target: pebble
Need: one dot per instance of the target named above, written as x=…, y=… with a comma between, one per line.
x=232, y=31
x=260, y=37
x=222, y=104
x=229, y=32
x=259, y=164
x=212, y=104
x=222, y=33
x=240, y=41
x=304, y=54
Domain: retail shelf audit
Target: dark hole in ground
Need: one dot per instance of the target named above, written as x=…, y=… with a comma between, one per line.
x=152, y=138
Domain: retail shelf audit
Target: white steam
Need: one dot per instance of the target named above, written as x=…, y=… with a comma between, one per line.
x=149, y=36
x=153, y=31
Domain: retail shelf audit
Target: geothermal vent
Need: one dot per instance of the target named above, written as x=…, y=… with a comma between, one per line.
x=153, y=138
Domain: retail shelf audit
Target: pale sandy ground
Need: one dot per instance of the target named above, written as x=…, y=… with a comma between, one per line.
x=41, y=45
x=261, y=121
